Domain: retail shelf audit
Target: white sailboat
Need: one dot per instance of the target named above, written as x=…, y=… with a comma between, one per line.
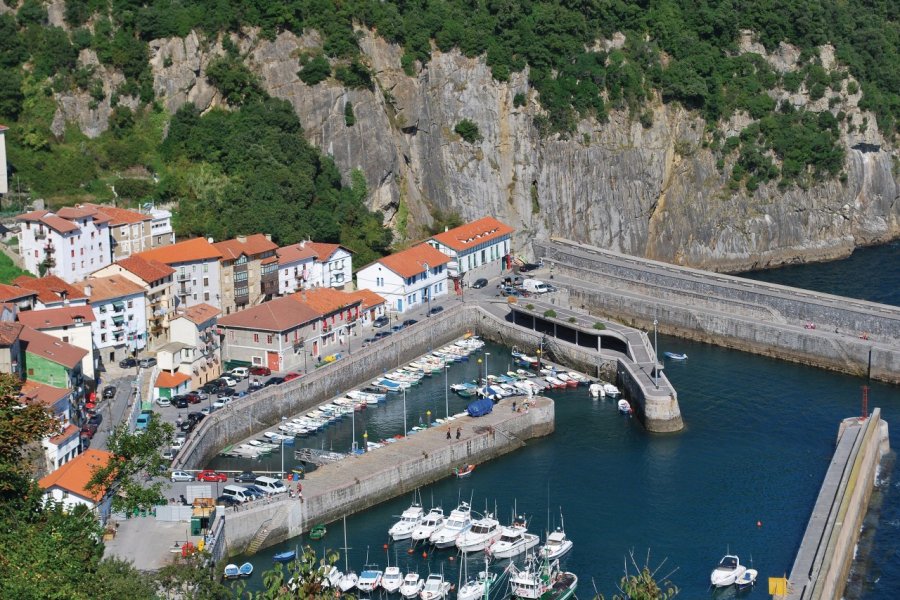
x=480, y=587
x=348, y=579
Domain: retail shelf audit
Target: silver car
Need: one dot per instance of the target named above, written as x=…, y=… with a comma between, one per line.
x=181, y=476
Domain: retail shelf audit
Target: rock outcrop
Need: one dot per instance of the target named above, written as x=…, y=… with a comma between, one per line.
x=653, y=192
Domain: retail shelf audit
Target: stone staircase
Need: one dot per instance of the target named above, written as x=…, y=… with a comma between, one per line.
x=265, y=528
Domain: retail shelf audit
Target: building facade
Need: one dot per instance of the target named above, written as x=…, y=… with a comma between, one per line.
x=70, y=247
x=249, y=271
x=68, y=484
x=66, y=443
x=477, y=249
x=196, y=329
x=120, y=317
x=197, y=273
x=408, y=279
x=71, y=324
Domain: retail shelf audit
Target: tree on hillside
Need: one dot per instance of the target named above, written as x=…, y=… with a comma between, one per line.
x=642, y=584
x=21, y=424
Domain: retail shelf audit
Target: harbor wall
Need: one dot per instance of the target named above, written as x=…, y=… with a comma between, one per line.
x=825, y=555
x=384, y=478
x=729, y=311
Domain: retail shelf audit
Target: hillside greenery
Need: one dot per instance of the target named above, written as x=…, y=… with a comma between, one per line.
x=682, y=50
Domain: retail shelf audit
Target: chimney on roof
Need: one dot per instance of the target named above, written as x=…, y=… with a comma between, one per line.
x=446, y=228
x=209, y=239
x=88, y=289
x=242, y=239
x=269, y=236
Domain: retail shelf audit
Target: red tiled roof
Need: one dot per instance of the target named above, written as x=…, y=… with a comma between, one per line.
x=9, y=332
x=56, y=317
x=119, y=216
x=200, y=313
x=295, y=252
x=75, y=474
x=251, y=246
x=281, y=314
x=368, y=297
x=148, y=270
x=474, y=233
x=49, y=288
x=11, y=292
x=52, y=349
x=69, y=432
x=171, y=380
x=49, y=219
x=48, y=395
x=83, y=212
x=411, y=261
x=107, y=288
x=325, y=300
x=187, y=251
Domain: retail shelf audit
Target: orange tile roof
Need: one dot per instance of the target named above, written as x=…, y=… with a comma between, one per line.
x=107, y=288
x=47, y=346
x=49, y=288
x=323, y=250
x=48, y=395
x=11, y=292
x=9, y=332
x=411, y=261
x=148, y=270
x=296, y=252
x=472, y=234
x=368, y=297
x=325, y=300
x=56, y=317
x=83, y=212
x=251, y=246
x=170, y=380
x=181, y=252
x=200, y=313
x=49, y=219
x=119, y=216
x=281, y=314
x=75, y=474
x=69, y=432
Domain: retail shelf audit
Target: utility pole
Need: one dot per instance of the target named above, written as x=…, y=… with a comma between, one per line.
x=446, y=389
x=655, y=353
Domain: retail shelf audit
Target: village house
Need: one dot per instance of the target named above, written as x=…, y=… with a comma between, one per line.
x=306, y=265
x=249, y=271
x=68, y=484
x=69, y=244
x=477, y=249
x=196, y=265
x=339, y=318
x=371, y=305
x=407, y=279
x=71, y=324
x=132, y=231
x=20, y=298
x=51, y=291
x=194, y=348
x=120, y=316
x=65, y=444
x=11, y=348
x=158, y=283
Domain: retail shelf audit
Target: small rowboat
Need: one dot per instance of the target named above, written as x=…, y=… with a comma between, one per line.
x=232, y=572
x=286, y=556
x=675, y=355
x=465, y=471
x=317, y=532
x=245, y=570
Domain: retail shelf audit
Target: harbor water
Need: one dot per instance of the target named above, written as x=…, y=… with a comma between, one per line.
x=742, y=476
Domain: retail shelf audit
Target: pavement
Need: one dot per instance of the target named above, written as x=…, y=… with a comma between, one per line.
x=147, y=543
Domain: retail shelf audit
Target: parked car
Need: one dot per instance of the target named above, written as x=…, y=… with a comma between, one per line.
x=109, y=392
x=260, y=370
x=210, y=388
x=163, y=401
x=212, y=476
x=188, y=426
x=180, y=401
x=239, y=372
x=435, y=310
x=196, y=416
x=193, y=397
x=409, y=322
x=178, y=443
x=381, y=335
x=181, y=476
x=96, y=419
x=528, y=267
x=143, y=420
x=274, y=381
x=291, y=375
x=227, y=501
x=479, y=283
x=88, y=430
x=225, y=391
x=148, y=362
x=381, y=321
x=128, y=363
x=221, y=401
x=246, y=477
x=228, y=381
x=254, y=384
x=254, y=491
x=398, y=327
x=169, y=454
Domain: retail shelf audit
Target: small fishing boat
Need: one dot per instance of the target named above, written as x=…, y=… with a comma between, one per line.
x=232, y=572
x=317, y=532
x=286, y=556
x=747, y=578
x=464, y=471
x=428, y=524
x=369, y=579
x=568, y=381
x=554, y=382
x=596, y=390
x=245, y=570
x=675, y=355
x=331, y=576
x=727, y=572
x=514, y=540
x=557, y=544
x=402, y=529
x=411, y=586
x=392, y=579
x=624, y=407
x=541, y=580
x=435, y=588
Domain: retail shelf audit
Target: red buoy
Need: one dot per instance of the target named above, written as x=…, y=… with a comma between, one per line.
x=424, y=555
x=385, y=546
x=759, y=523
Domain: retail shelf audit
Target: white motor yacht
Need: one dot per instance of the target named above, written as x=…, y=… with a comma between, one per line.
x=459, y=521
x=369, y=580
x=483, y=532
x=402, y=529
x=435, y=588
x=557, y=544
x=348, y=581
x=331, y=575
x=514, y=541
x=412, y=585
x=428, y=524
x=392, y=579
x=727, y=571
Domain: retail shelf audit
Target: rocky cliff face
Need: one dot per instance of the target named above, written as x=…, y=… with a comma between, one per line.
x=652, y=192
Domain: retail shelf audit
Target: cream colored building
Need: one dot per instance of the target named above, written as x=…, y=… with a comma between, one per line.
x=249, y=271
x=195, y=340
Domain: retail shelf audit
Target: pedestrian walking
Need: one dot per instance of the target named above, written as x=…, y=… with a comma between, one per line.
x=514, y=406
x=448, y=433
x=458, y=432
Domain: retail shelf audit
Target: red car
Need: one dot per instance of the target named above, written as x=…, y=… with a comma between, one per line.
x=211, y=476
x=291, y=375
x=260, y=371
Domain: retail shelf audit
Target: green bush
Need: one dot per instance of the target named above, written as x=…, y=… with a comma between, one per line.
x=355, y=75
x=519, y=100
x=468, y=131
x=315, y=71
x=237, y=83
x=550, y=313
x=349, y=117
x=599, y=326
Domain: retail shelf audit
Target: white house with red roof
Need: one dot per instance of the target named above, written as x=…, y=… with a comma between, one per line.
x=70, y=244
x=68, y=484
x=407, y=279
x=120, y=316
x=194, y=347
x=71, y=324
x=476, y=249
x=306, y=265
x=197, y=269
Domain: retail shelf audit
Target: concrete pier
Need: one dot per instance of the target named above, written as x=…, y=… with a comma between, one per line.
x=359, y=482
x=823, y=561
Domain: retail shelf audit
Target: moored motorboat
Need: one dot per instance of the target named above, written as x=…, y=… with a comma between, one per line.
x=331, y=575
x=611, y=391
x=460, y=520
x=369, y=579
x=435, y=588
x=747, y=578
x=232, y=572
x=392, y=579
x=402, y=529
x=428, y=524
x=596, y=390
x=482, y=587
x=464, y=471
x=675, y=355
x=557, y=544
x=514, y=540
x=245, y=570
x=624, y=407
x=483, y=532
x=286, y=556
x=412, y=585
x=727, y=572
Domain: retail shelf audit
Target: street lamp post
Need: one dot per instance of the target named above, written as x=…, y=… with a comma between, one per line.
x=486, y=354
x=405, y=428
x=353, y=432
x=428, y=417
x=479, y=371
x=446, y=390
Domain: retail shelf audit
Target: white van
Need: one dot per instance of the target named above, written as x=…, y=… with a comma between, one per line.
x=240, y=372
x=270, y=485
x=535, y=286
x=237, y=492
